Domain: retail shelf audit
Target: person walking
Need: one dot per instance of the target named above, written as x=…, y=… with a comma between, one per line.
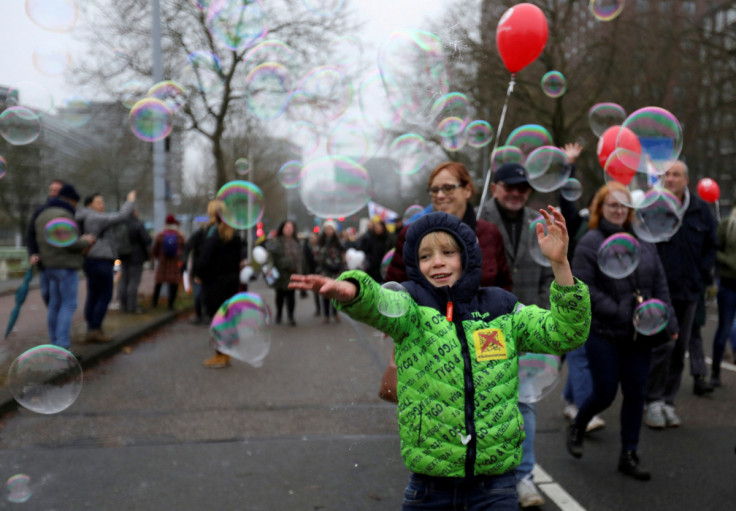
x=688, y=258
x=166, y=253
x=286, y=254
x=331, y=262
x=132, y=259
x=374, y=244
x=62, y=265
x=223, y=255
x=189, y=256
x=726, y=264
x=33, y=250
x=99, y=263
x=617, y=354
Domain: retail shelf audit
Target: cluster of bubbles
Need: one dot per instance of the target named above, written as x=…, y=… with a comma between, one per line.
x=241, y=328
x=46, y=379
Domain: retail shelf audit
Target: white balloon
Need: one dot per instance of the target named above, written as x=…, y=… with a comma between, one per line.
x=245, y=274
x=354, y=259
x=260, y=255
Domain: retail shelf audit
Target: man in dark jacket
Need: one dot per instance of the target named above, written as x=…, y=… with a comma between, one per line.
x=193, y=247
x=33, y=251
x=688, y=259
x=132, y=264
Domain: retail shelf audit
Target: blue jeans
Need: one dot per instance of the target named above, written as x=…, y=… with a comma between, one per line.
x=726, y=314
x=99, y=274
x=529, y=413
x=485, y=493
x=579, y=384
x=610, y=365
x=197, y=291
x=62, y=285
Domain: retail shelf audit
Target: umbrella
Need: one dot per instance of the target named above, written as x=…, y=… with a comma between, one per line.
x=20, y=297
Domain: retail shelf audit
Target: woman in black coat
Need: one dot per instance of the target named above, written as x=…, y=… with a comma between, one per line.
x=616, y=352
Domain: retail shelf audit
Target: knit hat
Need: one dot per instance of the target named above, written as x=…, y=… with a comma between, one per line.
x=69, y=192
x=329, y=223
x=171, y=219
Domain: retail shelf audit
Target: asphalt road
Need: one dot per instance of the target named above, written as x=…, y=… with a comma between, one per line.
x=153, y=429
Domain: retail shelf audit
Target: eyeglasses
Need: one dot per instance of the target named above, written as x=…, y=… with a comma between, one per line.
x=616, y=206
x=518, y=187
x=446, y=189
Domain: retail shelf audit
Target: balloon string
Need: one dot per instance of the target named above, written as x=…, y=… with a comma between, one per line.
x=495, y=146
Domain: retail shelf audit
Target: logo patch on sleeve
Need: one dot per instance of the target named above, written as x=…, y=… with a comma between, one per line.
x=490, y=344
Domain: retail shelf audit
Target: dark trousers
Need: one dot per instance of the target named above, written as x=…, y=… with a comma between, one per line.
x=327, y=307
x=609, y=366
x=172, y=289
x=287, y=295
x=130, y=279
x=99, y=274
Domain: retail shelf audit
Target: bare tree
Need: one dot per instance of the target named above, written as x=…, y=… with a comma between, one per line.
x=210, y=47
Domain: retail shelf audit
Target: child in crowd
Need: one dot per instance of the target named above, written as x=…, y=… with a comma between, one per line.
x=457, y=351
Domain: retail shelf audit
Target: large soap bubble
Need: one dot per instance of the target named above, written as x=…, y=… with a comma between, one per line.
x=529, y=137
x=393, y=300
x=571, y=189
x=19, y=125
x=651, y=316
x=241, y=328
x=46, y=379
x=618, y=255
x=53, y=15
x=506, y=154
x=237, y=25
x=660, y=136
x=602, y=116
x=413, y=71
x=660, y=219
x=538, y=375
x=150, y=120
x=547, y=168
x=268, y=87
x=335, y=186
x=322, y=95
x=479, y=133
x=242, y=204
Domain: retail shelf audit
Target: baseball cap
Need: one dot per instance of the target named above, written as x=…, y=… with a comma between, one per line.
x=510, y=174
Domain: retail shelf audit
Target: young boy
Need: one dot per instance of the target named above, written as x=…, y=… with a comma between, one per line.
x=457, y=350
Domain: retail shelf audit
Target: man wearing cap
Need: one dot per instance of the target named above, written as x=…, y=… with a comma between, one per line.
x=61, y=265
x=531, y=284
x=100, y=261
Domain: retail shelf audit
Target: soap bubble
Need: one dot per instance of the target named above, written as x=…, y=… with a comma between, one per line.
x=242, y=166
x=290, y=173
x=19, y=125
x=618, y=255
x=606, y=10
x=386, y=262
x=132, y=91
x=33, y=95
x=554, y=84
x=571, y=189
x=53, y=15
x=335, y=186
x=409, y=153
x=242, y=204
x=602, y=116
x=51, y=58
x=237, y=25
x=651, y=317
x=507, y=154
x=150, y=120
x=19, y=488
x=393, y=300
x=538, y=375
x=61, y=232
x=660, y=219
x=268, y=87
x=321, y=96
x=479, y=133
x=305, y=135
x=547, y=168
x=46, y=379
x=412, y=210
x=660, y=136
x=203, y=71
x=171, y=93
x=241, y=328
x=76, y=111
x=455, y=105
x=529, y=137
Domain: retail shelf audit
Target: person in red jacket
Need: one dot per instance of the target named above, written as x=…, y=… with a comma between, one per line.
x=451, y=189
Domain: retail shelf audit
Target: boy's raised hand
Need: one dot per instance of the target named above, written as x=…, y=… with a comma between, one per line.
x=554, y=243
x=340, y=290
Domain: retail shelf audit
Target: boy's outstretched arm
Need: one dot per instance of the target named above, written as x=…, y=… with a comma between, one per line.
x=554, y=245
x=340, y=290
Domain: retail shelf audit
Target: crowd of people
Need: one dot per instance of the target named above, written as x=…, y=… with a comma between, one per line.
x=455, y=262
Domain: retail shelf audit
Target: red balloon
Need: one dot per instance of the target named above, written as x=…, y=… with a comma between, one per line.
x=619, y=152
x=521, y=35
x=709, y=190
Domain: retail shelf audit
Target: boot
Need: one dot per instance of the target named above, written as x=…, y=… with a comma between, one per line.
x=218, y=361
x=628, y=464
x=575, y=440
x=701, y=387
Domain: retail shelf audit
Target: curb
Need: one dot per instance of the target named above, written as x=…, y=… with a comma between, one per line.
x=90, y=354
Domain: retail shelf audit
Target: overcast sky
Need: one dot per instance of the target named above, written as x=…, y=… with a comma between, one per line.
x=20, y=36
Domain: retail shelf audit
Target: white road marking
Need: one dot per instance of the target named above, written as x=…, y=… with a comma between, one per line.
x=554, y=491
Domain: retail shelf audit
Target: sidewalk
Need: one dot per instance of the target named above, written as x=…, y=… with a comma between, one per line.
x=30, y=329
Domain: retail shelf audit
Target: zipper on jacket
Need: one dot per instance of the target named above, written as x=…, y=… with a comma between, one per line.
x=470, y=454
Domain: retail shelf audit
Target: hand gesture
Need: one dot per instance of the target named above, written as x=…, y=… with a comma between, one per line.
x=339, y=290
x=572, y=151
x=553, y=244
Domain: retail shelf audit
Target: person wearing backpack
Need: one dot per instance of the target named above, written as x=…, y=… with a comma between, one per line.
x=100, y=261
x=134, y=245
x=167, y=249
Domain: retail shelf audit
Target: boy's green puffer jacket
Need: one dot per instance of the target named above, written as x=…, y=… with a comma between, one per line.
x=458, y=380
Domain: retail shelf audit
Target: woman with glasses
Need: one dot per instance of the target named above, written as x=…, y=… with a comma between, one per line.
x=617, y=354
x=450, y=189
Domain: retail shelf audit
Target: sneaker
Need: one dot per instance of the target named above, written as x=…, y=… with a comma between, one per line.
x=654, y=417
x=670, y=416
x=218, y=361
x=529, y=495
x=574, y=441
x=628, y=464
x=595, y=424
x=569, y=411
x=701, y=387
